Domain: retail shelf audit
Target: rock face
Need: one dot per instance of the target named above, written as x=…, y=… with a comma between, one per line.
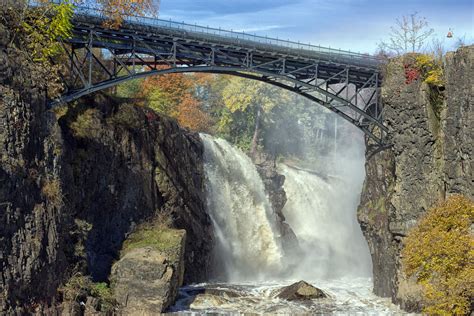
x=31, y=220
x=127, y=166
x=146, y=279
x=71, y=192
x=300, y=291
x=431, y=157
x=273, y=182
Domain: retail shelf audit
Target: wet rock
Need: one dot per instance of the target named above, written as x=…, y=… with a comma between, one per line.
x=300, y=291
x=273, y=182
x=72, y=190
x=206, y=301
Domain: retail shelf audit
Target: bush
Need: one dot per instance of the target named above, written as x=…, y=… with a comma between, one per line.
x=80, y=286
x=52, y=191
x=431, y=70
x=439, y=254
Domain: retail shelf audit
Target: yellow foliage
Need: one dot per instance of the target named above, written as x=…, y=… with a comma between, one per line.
x=430, y=69
x=439, y=253
x=52, y=191
x=43, y=28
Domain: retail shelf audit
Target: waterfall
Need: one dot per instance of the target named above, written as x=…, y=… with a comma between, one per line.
x=321, y=212
x=248, y=246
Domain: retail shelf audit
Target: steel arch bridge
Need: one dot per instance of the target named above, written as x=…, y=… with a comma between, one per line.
x=98, y=58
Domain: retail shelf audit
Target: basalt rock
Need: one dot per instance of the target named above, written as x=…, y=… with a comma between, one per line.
x=146, y=279
x=72, y=190
x=300, y=291
x=273, y=182
x=432, y=136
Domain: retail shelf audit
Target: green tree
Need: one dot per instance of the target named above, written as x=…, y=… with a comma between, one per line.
x=247, y=102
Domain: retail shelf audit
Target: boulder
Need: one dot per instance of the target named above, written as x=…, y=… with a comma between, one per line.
x=300, y=291
x=147, y=277
x=207, y=301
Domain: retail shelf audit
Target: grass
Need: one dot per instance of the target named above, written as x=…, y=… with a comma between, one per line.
x=156, y=236
x=79, y=286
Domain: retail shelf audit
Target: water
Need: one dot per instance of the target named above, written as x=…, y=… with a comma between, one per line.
x=321, y=211
x=348, y=296
x=248, y=245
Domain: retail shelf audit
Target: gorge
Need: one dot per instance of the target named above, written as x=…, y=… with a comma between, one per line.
x=104, y=201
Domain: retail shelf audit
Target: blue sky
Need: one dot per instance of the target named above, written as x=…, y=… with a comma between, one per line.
x=355, y=25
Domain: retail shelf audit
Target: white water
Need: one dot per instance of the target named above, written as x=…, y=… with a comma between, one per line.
x=321, y=212
x=248, y=247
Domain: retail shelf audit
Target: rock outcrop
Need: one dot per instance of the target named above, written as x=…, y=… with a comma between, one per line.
x=273, y=182
x=299, y=291
x=147, y=277
x=432, y=136
x=72, y=190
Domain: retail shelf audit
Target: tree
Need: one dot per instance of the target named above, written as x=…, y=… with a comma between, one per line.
x=246, y=102
x=407, y=35
x=42, y=28
x=117, y=9
x=190, y=115
x=175, y=95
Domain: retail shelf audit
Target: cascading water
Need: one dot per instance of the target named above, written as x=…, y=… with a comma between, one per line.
x=321, y=213
x=248, y=246
x=333, y=254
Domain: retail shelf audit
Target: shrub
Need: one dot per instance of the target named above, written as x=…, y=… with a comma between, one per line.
x=51, y=190
x=79, y=286
x=43, y=27
x=86, y=123
x=431, y=70
x=439, y=254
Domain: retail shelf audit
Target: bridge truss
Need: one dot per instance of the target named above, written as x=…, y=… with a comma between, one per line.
x=347, y=84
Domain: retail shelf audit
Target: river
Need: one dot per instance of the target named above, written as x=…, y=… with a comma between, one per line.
x=249, y=260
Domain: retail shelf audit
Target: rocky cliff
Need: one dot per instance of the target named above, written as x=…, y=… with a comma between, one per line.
x=73, y=189
x=432, y=135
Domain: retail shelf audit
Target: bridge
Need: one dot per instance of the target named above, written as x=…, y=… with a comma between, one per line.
x=344, y=82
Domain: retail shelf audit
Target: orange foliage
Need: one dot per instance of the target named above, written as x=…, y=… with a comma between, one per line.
x=191, y=116
x=178, y=90
x=118, y=9
x=176, y=87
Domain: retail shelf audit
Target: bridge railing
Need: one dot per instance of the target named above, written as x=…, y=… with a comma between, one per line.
x=205, y=30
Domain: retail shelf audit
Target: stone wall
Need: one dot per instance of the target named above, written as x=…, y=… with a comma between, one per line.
x=431, y=157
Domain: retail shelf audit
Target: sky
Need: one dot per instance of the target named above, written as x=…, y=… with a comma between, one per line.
x=356, y=25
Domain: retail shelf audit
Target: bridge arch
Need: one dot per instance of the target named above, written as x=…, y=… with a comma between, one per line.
x=278, y=80
x=142, y=46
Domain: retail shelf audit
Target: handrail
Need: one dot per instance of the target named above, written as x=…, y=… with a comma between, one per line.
x=181, y=26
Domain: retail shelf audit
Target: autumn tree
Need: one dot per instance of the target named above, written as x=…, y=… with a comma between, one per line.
x=175, y=95
x=35, y=32
x=117, y=10
x=408, y=35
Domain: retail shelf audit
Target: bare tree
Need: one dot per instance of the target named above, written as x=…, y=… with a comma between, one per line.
x=408, y=35
x=460, y=42
x=438, y=48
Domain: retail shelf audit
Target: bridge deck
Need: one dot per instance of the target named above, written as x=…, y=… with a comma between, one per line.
x=344, y=82
x=232, y=38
